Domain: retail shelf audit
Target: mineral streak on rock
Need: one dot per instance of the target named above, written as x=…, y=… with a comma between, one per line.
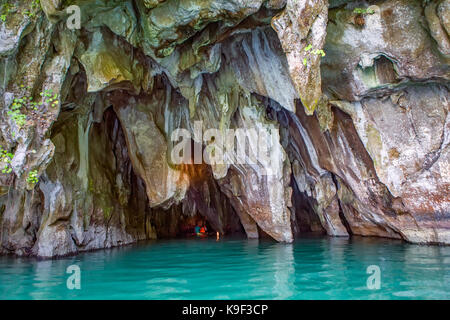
x=360, y=99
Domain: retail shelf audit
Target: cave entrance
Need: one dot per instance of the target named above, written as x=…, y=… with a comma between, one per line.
x=203, y=204
x=180, y=222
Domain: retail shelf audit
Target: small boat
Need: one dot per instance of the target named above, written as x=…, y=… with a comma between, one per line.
x=198, y=235
x=202, y=235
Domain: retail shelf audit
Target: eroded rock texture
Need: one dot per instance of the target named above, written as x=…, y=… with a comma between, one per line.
x=359, y=101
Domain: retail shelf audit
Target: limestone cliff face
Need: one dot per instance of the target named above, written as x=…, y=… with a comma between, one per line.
x=358, y=92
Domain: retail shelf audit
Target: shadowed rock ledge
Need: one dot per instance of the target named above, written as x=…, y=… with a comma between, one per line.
x=360, y=99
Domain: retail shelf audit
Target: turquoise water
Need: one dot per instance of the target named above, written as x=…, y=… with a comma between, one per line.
x=312, y=268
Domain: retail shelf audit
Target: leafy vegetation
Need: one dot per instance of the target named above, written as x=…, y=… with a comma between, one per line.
x=33, y=177
x=6, y=158
x=6, y=8
x=15, y=113
x=35, y=7
x=363, y=11
x=49, y=98
x=309, y=48
x=20, y=105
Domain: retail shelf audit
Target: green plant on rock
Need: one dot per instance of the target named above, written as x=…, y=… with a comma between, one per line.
x=35, y=7
x=6, y=158
x=363, y=11
x=5, y=10
x=309, y=48
x=33, y=177
x=20, y=105
x=15, y=113
x=49, y=98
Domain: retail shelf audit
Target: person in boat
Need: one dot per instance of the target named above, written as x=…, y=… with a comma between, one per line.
x=200, y=230
x=197, y=230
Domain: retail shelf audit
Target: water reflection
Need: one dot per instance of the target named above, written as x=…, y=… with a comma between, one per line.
x=44, y=280
x=314, y=268
x=282, y=257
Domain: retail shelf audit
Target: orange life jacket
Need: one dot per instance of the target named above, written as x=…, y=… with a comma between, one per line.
x=202, y=230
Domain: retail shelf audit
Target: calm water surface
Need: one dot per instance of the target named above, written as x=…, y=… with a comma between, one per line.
x=312, y=268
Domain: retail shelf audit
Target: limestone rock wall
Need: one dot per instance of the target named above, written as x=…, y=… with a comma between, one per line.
x=359, y=98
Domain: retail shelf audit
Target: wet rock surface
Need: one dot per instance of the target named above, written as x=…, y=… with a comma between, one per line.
x=360, y=101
